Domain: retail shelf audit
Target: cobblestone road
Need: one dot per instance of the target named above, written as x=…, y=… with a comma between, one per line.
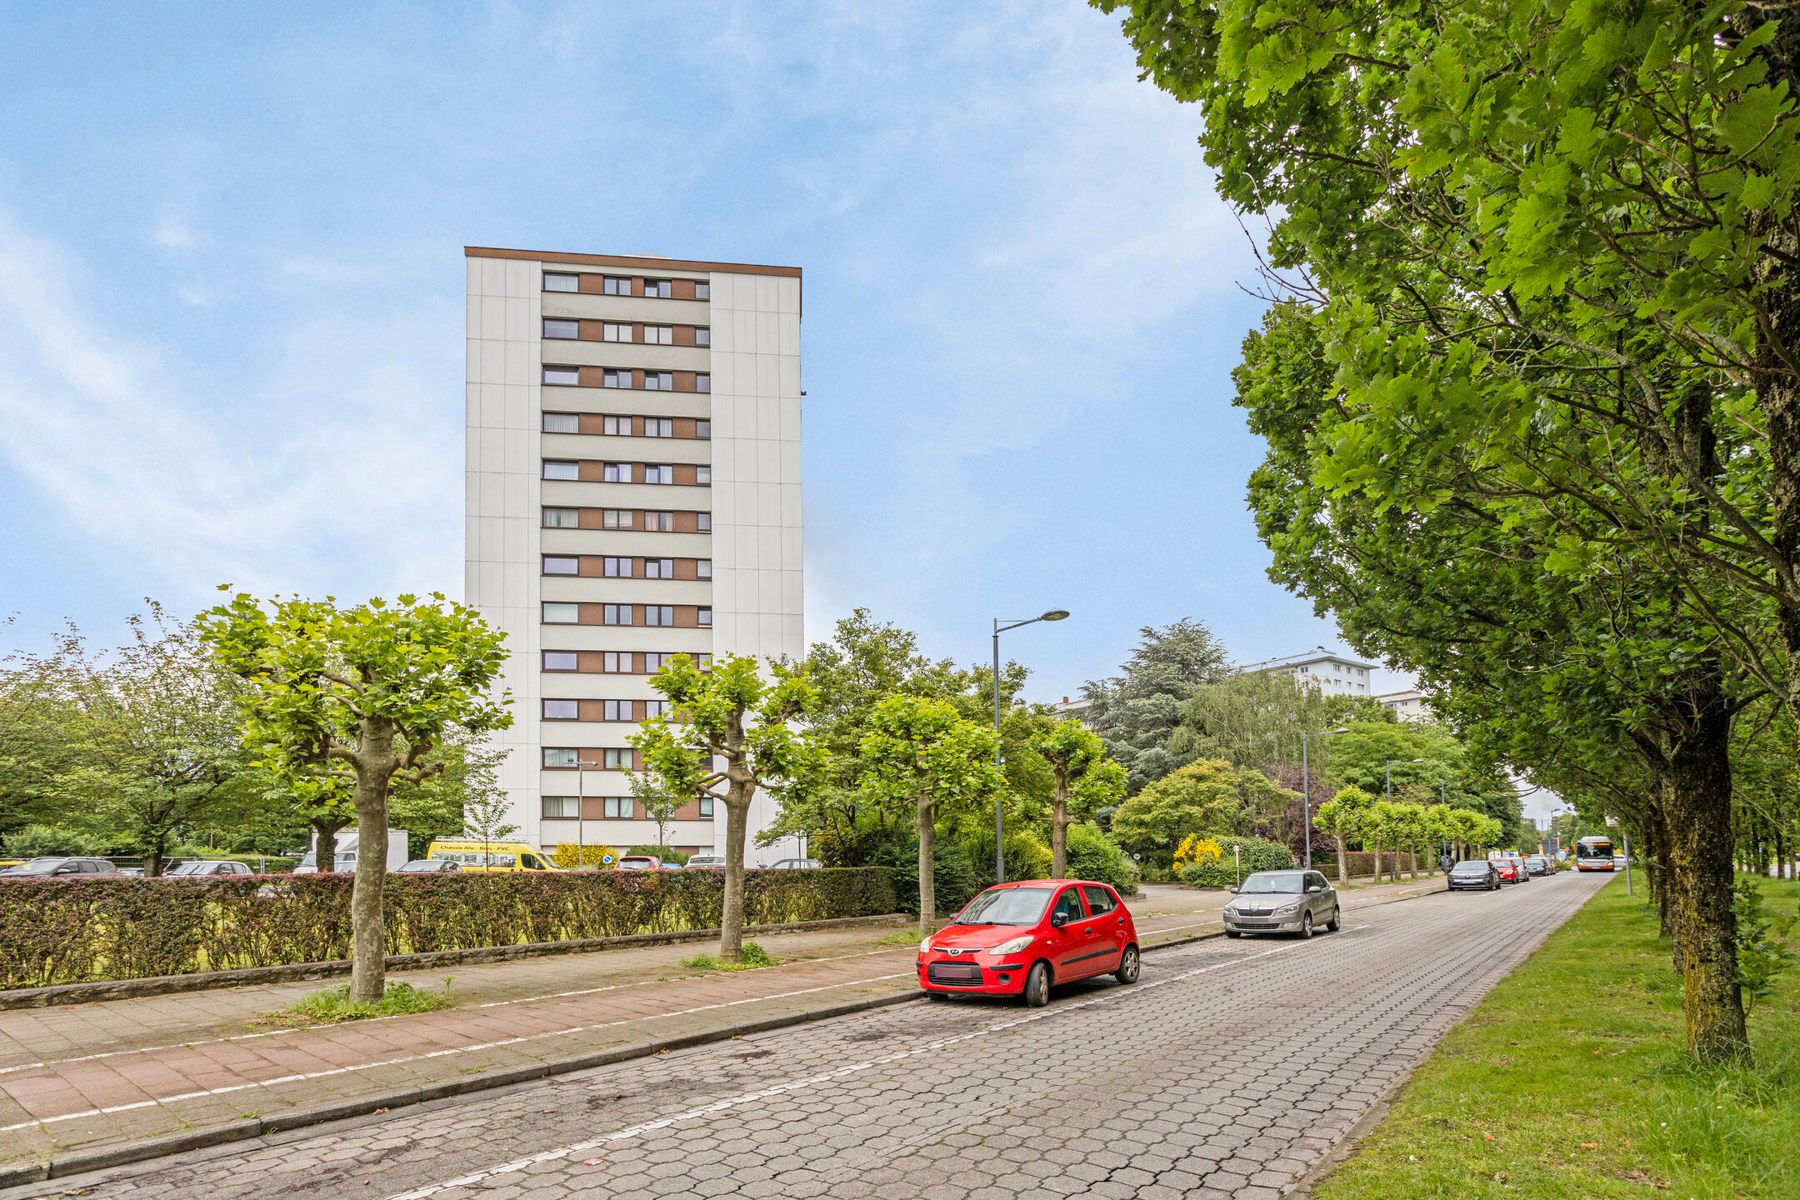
x=1228, y=1071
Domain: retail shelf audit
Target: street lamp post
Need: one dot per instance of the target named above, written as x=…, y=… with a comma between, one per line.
x=1055, y=614
x=1306, y=787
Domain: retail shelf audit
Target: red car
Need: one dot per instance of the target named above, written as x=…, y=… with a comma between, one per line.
x=1509, y=870
x=1017, y=939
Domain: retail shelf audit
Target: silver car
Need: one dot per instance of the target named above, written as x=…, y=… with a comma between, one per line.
x=1282, y=902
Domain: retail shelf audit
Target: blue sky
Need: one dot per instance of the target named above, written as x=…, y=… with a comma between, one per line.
x=231, y=287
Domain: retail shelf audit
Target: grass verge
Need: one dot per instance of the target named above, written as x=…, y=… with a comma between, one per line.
x=750, y=956
x=900, y=937
x=334, y=1004
x=1569, y=1081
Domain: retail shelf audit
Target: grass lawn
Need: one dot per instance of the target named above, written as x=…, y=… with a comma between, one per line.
x=1570, y=1081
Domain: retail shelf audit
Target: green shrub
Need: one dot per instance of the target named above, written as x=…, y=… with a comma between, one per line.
x=71, y=930
x=333, y=1004
x=750, y=957
x=1093, y=855
x=44, y=841
x=1257, y=855
x=665, y=853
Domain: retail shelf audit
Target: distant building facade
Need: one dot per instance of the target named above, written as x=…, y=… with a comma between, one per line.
x=1406, y=705
x=1331, y=674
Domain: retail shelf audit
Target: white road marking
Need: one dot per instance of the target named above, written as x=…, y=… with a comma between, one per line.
x=730, y=1102
x=391, y=1062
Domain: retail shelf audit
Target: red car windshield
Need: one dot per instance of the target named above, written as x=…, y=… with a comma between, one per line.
x=1006, y=906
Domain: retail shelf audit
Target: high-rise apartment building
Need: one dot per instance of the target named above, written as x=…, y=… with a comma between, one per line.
x=633, y=492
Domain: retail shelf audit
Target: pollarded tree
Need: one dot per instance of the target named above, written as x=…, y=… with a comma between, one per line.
x=358, y=697
x=1342, y=817
x=726, y=734
x=1086, y=781
x=923, y=753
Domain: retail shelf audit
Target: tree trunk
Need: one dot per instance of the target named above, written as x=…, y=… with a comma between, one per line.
x=1059, y=833
x=731, y=913
x=368, y=926
x=1697, y=804
x=153, y=861
x=927, y=872
x=1343, y=876
x=1375, y=852
x=325, y=844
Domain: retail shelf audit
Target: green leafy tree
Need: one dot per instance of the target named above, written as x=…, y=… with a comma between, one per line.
x=731, y=716
x=1136, y=711
x=657, y=802
x=1205, y=796
x=355, y=698
x=1342, y=817
x=485, y=809
x=1086, y=780
x=923, y=754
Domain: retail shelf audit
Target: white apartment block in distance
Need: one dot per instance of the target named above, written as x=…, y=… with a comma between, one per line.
x=1332, y=674
x=633, y=492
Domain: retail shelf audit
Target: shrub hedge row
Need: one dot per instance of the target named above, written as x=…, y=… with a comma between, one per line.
x=1255, y=854
x=75, y=930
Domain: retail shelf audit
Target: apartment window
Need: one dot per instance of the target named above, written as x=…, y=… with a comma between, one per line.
x=560, y=660
x=562, y=807
x=660, y=522
x=561, y=330
x=561, y=564
x=610, y=332
x=617, y=662
x=616, y=710
x=616, y=426
x=562, y=710
x=703, y=290
x=659, y=614
x=659, y=335
x=703, y=568
x=562, y=423
x=659, y=381
x=561, y=756
x=619, y=808
x=561, y=281
x=617, y=473
x=703, y=522
x=561, y=468
x=615, y=378
x=706, y=806
x=615, y=518
x=703, y=662
x=653, y=662
x=614, y=286
x=703, y=616
x=703, y=476
x=617, y=568
x=616, y=760
x=559, y=613
x=562, y=376
x=654, y=473
x=702, y=336
x=617, y=614
x=658, y=427
x=703, y=383
x=702, y=429
x=562, y=518
x=660, y=288
x=659, y=568
x=655, y=708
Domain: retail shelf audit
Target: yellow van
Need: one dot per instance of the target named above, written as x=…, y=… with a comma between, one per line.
x=491, y=856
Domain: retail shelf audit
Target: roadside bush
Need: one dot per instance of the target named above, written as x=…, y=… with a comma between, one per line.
x=1197, y=849
x=71, y=930
x=1093, y=855
x=43, y=841
x=568, y=856
x=1256, y=855
x=664, y=853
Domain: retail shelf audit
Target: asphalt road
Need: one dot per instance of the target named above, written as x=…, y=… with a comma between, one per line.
x=1229, y=1070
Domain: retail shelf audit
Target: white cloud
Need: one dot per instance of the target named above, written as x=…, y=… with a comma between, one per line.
x=333, y=469
x=172, y=233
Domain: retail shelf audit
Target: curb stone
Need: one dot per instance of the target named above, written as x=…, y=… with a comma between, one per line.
x=84, y=1161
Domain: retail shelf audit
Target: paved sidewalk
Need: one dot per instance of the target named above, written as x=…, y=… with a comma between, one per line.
x=98, y=1077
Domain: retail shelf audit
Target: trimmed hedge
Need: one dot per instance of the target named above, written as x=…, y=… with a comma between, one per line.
x=77, y=930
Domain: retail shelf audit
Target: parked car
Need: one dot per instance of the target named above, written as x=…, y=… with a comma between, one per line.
x=345, y=853
x=1019, y=939
x=430, y=866
x=209, y=869
x=1537, y=864
x=1282, y=902
x=1520, y=874
x=1510, y=870
x=697, y=861
x=1475, y=875
x=487, y=856
x=92, y=868
x=638, y=862
x=794, y=864
x=1619, y=862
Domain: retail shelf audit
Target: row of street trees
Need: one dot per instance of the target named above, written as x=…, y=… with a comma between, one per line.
x=1531, y=395
x=1354, y=814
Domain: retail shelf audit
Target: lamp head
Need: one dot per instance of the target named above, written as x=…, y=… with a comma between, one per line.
x=1055, y=614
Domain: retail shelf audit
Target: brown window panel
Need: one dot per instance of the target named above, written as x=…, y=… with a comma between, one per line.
x=684, y=334
x=687, y=616
x=593, y=566
x=684, y=289
x=684, y=381
x=594, y=518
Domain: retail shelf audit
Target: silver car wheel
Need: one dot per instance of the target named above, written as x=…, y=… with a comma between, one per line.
x=1306, y=929
x=1129, y=966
